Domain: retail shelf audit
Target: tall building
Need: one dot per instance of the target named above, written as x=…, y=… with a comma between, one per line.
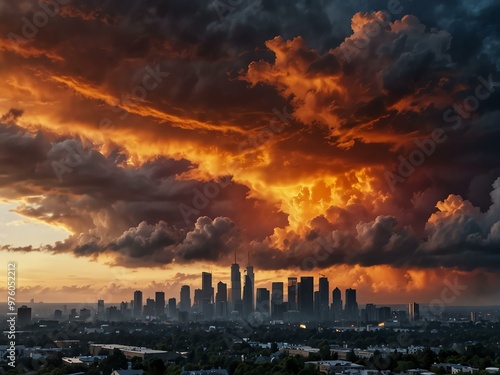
x=351, y=305
x=24, y=316
x=413, y=312
x=207, y=292
x=149, y=308
x=263, y=302
x=159, y=303
x=277, y=305
x=292, y=293
x=137, y=304
x=172, y=308
x=248, y=292
x=336, y=304
x=371, y=313
x=221, y=300
x=324, y=299
x=235, y=284
x=101, y=313
x=206, y=287
x=185, y=304
x=306, y=297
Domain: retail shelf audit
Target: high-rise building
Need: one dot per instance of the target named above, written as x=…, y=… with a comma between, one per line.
x=413, y=312
x=324, y=299
x=351, y=305
x=149, y=308
x=336, y=304
x=58, y=314
x=206, y=287
x=137, y=304
x=24, y=316
x=277, y=305
x=235, y=284
x=292, y=293
x=371, y=313
x=263, y=302
x=221, y=300
x=172, y=308
x=384, y=313
x=185, y=304
x=101, y=313
x=159, y=303
x=198, y=297
x=248, y=292
x=306, y=297
x=207, y=295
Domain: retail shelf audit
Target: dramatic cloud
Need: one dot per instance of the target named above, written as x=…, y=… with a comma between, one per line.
x=328, y=136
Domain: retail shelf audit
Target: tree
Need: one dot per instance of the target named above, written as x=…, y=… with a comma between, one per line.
x=156, y=366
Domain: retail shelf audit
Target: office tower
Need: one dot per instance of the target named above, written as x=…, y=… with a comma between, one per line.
x=198, y=297
x=149, y=308
x=113, y=314
x=351, y=306
x=292, y=293
x=58, y=314
x=206, y=287
x=317, y=309
x=72, y=314
x=263, y=302
x=413, y=312
x=172, y=308
x=100, y=309
x=85, y=314
x=24, y=316
x=277, y=305
x=235, y=284
x=384, y=313
x=221, y=300
x=185, y=304
x=306, y=297
x=371, y=313
x=137, y=304
x=336, y=304
x=324, y=298
x=207, y=295
x=248, y=292
x=159, y=303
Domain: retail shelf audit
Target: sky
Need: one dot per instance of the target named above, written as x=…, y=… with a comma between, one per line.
x=142, y=143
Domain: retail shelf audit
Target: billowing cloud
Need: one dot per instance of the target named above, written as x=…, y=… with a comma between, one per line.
x=167, y=133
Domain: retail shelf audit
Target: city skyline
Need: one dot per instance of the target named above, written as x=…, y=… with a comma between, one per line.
x=142, y=144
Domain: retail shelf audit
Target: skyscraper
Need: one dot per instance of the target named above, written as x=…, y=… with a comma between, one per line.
x=413, y=312
x=159, y=303
x=336, y=304
x=263, y=302
x=248, y=292
x=324, y=298
x=101, y=313
x=207, y=295
x=351, y=305
x=172, y=308
x=235, y=284
x=221, y=300
x=24, y=316
x=277, y=301
x=137, y=304
x=306, y=297
x=292, y=293
x=149, y=308
x=185, y=304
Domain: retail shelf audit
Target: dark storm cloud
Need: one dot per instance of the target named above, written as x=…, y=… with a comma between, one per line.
x=133, y=213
